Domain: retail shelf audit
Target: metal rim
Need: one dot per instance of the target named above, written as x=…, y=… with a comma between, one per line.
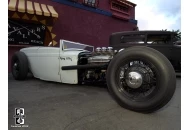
x=142, y=85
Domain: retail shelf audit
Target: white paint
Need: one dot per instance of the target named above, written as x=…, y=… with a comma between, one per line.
x=45, y=63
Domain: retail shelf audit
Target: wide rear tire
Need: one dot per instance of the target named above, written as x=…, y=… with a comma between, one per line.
x=19, y=65
x=141, y=79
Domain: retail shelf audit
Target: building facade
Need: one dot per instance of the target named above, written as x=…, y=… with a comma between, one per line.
x=39, y=22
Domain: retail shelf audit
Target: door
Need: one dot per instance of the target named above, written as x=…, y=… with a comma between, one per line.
x=68, y=57
x=176, y=57
x=48, y=64
x=161, y=43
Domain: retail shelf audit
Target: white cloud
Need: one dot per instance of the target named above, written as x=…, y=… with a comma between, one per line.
x=158, y=14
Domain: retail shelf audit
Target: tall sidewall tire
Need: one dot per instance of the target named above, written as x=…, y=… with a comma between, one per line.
x=166, y=79
x=23, y=65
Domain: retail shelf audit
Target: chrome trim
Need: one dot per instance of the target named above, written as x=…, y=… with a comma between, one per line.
x=98, y=49
x=134, y=80
x=99, y=59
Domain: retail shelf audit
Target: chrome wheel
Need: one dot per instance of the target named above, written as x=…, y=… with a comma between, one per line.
x=137, y=80
x=141, y=79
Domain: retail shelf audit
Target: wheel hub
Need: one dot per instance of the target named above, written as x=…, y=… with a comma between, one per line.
x=15, y=65
x=134, y=79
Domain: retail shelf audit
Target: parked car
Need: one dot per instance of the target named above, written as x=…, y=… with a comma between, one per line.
x=162, y=41
x=139, y=78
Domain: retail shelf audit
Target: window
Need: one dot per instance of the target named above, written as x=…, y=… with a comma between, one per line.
x=177, y=43
x=133, y=39
x=119, y=7
x=75, y=45
x=74, y=0
x=158, y=39
x=93, y=3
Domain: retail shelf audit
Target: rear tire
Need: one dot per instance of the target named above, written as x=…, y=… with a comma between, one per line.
x=19, y=65
x=158, y=79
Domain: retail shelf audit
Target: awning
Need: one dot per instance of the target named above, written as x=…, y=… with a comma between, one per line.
x=32, y=8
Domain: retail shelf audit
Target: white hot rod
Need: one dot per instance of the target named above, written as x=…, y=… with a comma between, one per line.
x=139, y=78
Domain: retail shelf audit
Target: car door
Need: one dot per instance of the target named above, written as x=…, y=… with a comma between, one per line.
x=68, y=57
x=48, y=64
x=161, y=43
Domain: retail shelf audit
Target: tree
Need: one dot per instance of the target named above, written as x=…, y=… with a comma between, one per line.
x=164, y=30
x=177, y=36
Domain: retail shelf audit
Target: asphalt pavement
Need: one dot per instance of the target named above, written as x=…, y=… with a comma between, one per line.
x=56, y=106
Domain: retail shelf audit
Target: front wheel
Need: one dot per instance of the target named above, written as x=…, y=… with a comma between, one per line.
x=141, y=79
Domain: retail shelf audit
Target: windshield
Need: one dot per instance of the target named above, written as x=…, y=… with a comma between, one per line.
x=68, y=45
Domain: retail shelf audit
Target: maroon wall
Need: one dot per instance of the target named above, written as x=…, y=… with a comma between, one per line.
x=83, y=26
x=87, y=27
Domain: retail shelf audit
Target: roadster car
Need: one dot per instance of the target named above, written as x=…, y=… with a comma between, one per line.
x=139, y=78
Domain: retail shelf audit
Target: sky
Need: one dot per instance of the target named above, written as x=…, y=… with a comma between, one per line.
x=158, y=14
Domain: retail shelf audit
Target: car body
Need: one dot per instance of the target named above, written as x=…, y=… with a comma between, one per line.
x=163, y=41
x=45, y=62
x=139, y=78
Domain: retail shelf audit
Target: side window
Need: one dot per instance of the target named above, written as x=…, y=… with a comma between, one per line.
x=177, y=43
x=156, y=39
x=119, y=7
x=92, y=3
x=74, y=0
x=133, y=39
